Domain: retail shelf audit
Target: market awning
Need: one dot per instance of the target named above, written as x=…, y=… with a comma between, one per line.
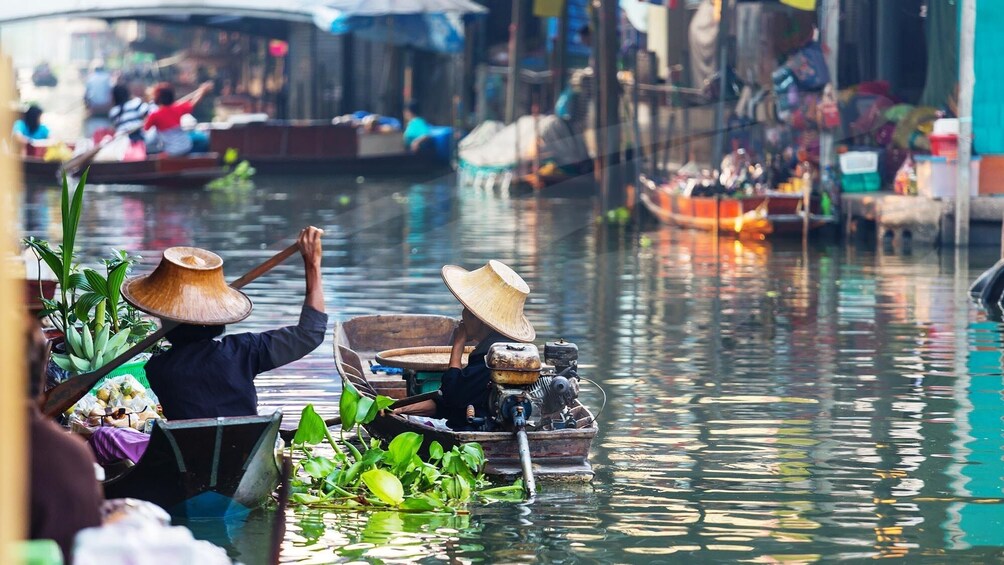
x=288, y=10
x=436, y=25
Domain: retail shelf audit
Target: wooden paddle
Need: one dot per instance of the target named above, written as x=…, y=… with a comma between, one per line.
x=61, y=397
x=287, y=435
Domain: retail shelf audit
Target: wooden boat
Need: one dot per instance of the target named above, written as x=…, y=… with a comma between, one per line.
x=557, y=454
x=317, y=147
x=191, y=170
x=774, y=212
x=213, y=467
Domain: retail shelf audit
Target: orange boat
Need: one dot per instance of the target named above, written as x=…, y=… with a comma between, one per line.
x=773, y=212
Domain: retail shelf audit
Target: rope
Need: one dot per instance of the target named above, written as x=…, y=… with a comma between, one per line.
x=602, y=406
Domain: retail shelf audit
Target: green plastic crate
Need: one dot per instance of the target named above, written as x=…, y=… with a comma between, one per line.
x=863, y=182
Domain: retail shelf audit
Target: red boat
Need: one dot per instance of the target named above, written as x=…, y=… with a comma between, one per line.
x=772, y=212
x=191, y=170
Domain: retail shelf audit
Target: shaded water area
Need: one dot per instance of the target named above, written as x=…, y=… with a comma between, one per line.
x=766, y=403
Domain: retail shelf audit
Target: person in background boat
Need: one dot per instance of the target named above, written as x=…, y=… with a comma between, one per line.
x=204, y=377
x=170, y=138
x=129, y=112
x=127, y=116
x=493, y=298
x=98, y=90
x=416, y=130
x=30, y=127
x=64, y=493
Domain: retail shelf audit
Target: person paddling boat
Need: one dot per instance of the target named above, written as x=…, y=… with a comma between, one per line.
x=204, y=377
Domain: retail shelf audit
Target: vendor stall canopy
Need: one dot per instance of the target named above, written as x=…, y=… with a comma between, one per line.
x=435, y=25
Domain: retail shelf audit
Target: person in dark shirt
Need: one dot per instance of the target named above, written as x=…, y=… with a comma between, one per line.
x=64, y=493
x=204, y=377
x=493, y=298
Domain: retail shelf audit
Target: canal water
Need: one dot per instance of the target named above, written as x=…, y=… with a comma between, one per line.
x=765, y=403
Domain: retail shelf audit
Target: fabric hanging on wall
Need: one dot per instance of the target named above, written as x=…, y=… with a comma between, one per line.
x=942, y=52
x=703, y=36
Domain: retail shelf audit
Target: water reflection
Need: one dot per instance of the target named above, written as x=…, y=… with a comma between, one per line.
x=766, y=403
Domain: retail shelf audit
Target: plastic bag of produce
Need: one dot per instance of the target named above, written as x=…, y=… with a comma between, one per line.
x=144, y=542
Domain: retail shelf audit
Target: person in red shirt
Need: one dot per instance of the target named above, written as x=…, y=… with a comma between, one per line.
x=170, y=138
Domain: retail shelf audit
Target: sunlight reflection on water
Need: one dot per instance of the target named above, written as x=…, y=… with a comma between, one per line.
x=766, y=404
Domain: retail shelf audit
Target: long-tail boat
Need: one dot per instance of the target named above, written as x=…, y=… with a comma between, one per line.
x=758, y=215
x=557, y=454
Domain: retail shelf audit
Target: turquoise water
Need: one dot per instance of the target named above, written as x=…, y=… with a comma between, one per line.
x=766, y=403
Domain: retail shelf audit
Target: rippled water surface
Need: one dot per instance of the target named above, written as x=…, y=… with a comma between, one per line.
x=766, y=403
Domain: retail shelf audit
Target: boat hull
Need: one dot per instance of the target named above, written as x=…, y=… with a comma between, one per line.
x=214, y=467
x=556, y=454
x=193, y=171
x=321, y=148
x=774, y=213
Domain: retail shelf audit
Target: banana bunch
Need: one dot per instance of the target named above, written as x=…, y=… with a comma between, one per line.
x=86, y=352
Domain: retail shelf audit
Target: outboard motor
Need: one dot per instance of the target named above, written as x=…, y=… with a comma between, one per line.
x=522, y=396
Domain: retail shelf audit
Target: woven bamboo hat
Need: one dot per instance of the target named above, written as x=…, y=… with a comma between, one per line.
x=496, y=295
x=188, y=287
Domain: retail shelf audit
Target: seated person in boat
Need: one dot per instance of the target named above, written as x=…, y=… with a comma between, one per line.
x=129, y=113
x=170, y=138
x=493, y=298
x=416, y=131
x=64, y=493
x=204, y=377
x=30, y=128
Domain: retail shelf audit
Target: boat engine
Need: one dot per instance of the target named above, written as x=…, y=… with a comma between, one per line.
x=526, y=394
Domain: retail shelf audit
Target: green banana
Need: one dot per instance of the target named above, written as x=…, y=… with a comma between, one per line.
x=73, y=341
x=102, y=339
x=117, y=341
x=79, y=364
x=63, y=362
x=85, y=332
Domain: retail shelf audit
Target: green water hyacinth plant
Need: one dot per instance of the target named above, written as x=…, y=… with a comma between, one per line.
x=375, y=475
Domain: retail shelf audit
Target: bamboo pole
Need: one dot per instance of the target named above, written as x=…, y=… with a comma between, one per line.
x=515, y=54
x=723, y=82
x=13, y=389
x=967, y=80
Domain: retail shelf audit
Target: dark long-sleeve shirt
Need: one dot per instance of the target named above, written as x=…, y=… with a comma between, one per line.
x=215, y=377
x=467, y=386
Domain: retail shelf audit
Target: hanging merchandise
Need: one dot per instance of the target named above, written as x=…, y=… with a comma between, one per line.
x=829, y=111
x=808, y=65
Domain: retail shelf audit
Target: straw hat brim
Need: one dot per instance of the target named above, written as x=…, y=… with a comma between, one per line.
x=521, y=330
x=194, y=306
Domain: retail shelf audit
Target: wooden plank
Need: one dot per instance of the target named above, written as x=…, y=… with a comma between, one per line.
x=13, y=448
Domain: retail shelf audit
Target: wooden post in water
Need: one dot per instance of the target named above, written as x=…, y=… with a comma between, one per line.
x=967, y=80
x=561, y=52
x=13, y=389
x=723, y=83
x=515, y=54
x=609, y=99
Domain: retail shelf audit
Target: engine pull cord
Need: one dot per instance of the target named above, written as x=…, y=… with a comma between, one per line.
x=603, y=405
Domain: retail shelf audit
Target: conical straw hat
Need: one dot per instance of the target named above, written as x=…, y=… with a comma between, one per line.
x=188, y=287
x=495, y=294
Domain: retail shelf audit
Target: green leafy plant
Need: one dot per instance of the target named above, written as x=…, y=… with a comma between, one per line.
x=96, y=322
x=392, y=475
x=238, y=177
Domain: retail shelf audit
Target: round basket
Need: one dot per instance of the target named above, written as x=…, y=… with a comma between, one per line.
x=426, y=358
